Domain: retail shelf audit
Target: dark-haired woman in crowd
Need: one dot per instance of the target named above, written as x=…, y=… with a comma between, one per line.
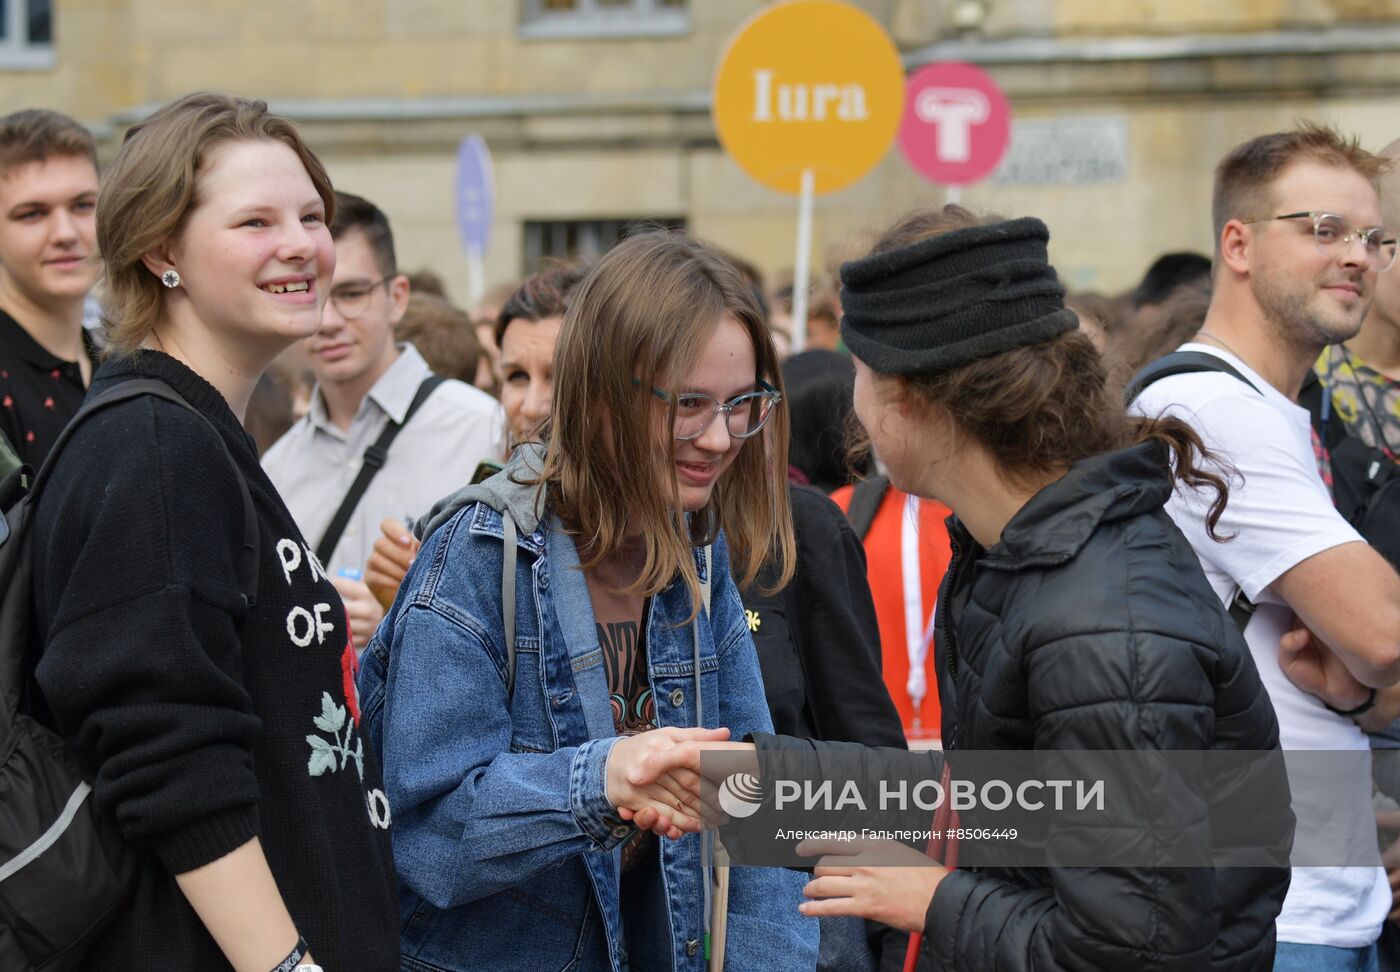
x=1074, y=615
x=222, y=728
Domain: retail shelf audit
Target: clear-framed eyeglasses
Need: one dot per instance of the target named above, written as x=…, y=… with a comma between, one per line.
x=1331, y=231
x=744, y=414
x=352, y=300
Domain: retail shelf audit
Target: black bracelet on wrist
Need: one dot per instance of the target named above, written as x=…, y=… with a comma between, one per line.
x=1363, y=707
x=294, y=959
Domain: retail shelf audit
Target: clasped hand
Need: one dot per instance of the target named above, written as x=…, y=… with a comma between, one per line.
x=1316, y=669
x=878, y=879
x=652, y=782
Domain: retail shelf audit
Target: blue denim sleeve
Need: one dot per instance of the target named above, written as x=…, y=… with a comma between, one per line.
x=763, y=916
x=471, y=817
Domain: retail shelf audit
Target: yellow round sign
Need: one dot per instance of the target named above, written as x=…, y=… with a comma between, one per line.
x=809, y=84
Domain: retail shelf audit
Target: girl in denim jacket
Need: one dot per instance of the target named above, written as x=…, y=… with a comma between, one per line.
x=507, y=739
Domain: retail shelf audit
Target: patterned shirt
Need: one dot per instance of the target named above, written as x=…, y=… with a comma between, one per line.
x=39, y=392
x=1366, y=401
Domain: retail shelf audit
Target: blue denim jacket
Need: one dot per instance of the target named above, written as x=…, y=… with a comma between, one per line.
x=507, y=849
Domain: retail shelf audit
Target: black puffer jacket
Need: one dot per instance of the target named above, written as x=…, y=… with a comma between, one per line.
x=1090, y=626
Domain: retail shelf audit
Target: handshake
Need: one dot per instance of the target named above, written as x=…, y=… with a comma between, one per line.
x=654, y=779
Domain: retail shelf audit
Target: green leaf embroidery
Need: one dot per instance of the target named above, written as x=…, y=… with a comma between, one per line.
x=332, y=717
x=322, y=756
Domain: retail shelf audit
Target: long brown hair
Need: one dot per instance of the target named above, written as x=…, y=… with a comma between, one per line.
x=636, y=323
x=150, y=189
x=1040, y=408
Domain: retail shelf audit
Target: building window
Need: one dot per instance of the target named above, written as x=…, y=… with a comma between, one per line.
x=565, y=19
x=587, y=238
x=26, y=34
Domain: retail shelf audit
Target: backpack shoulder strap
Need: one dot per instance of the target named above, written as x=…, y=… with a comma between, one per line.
x=1316, y=397
x=705, y=584
x=1240, y=609
x=376, y=454
x=136, y=388
x=1180, y=363
x=15, y=656
x=508, y=558
x=865, y=502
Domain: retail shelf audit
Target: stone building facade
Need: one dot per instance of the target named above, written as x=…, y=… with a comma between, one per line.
x=597, y=111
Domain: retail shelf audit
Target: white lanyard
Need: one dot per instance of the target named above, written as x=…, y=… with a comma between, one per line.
x=917, y=636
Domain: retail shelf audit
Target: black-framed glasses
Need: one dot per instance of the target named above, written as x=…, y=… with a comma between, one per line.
x=744, y=414
x=352, y=300
x=1331, y=231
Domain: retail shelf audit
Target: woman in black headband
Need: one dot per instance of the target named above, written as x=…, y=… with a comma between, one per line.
x=1074, y=617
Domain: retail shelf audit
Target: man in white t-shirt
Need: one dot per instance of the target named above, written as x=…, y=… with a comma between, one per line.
x=1296, y=262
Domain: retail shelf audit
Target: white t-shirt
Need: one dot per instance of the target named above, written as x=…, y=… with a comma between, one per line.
x=1280, y=514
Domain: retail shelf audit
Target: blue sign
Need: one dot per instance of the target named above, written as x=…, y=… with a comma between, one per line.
x=476, y=192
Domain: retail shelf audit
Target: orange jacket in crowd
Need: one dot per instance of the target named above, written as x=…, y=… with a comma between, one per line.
x=884, y=552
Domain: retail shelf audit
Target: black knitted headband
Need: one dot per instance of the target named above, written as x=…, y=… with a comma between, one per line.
x=952, y=299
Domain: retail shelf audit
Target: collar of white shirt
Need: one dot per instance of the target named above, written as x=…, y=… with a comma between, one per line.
x=391, y=394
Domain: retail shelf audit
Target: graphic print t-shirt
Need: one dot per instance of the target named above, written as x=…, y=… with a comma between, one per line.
x=619, y=618
x=621, y=624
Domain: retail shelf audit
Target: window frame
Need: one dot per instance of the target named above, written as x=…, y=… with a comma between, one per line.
x=540, y=239
x=17, y=51
x=588, y=21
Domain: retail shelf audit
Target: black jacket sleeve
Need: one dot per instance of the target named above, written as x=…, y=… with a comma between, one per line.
x=137, y=592
x=833, y=759
x=831, y=638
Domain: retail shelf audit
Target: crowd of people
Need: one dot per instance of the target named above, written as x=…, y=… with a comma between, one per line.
x=391, y=635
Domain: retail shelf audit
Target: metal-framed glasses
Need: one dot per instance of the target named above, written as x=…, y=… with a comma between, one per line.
x=352, y=300
x=1331, y=231
x=744, y=414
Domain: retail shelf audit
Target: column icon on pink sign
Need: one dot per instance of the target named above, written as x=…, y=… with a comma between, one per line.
x=956, y=123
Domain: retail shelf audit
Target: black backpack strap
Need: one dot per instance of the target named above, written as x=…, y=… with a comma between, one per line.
x=1241, y=609
x=1180, y=363
x=136, y=388
x=1316, y=397
x=374, y=458
x=865, y=502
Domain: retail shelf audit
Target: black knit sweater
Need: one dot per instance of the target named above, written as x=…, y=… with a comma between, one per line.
x=206, y=722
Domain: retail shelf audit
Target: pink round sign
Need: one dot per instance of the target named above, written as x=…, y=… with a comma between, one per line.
x=956, y=123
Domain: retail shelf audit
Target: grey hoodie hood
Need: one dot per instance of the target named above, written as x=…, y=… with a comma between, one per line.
x=502, y=492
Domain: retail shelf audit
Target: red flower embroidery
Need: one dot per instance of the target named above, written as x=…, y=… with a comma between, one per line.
x=9, y=402
x=55, y=373
x=29, y=436
x=349, y=668
x=4, y=374
x=48, y=402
